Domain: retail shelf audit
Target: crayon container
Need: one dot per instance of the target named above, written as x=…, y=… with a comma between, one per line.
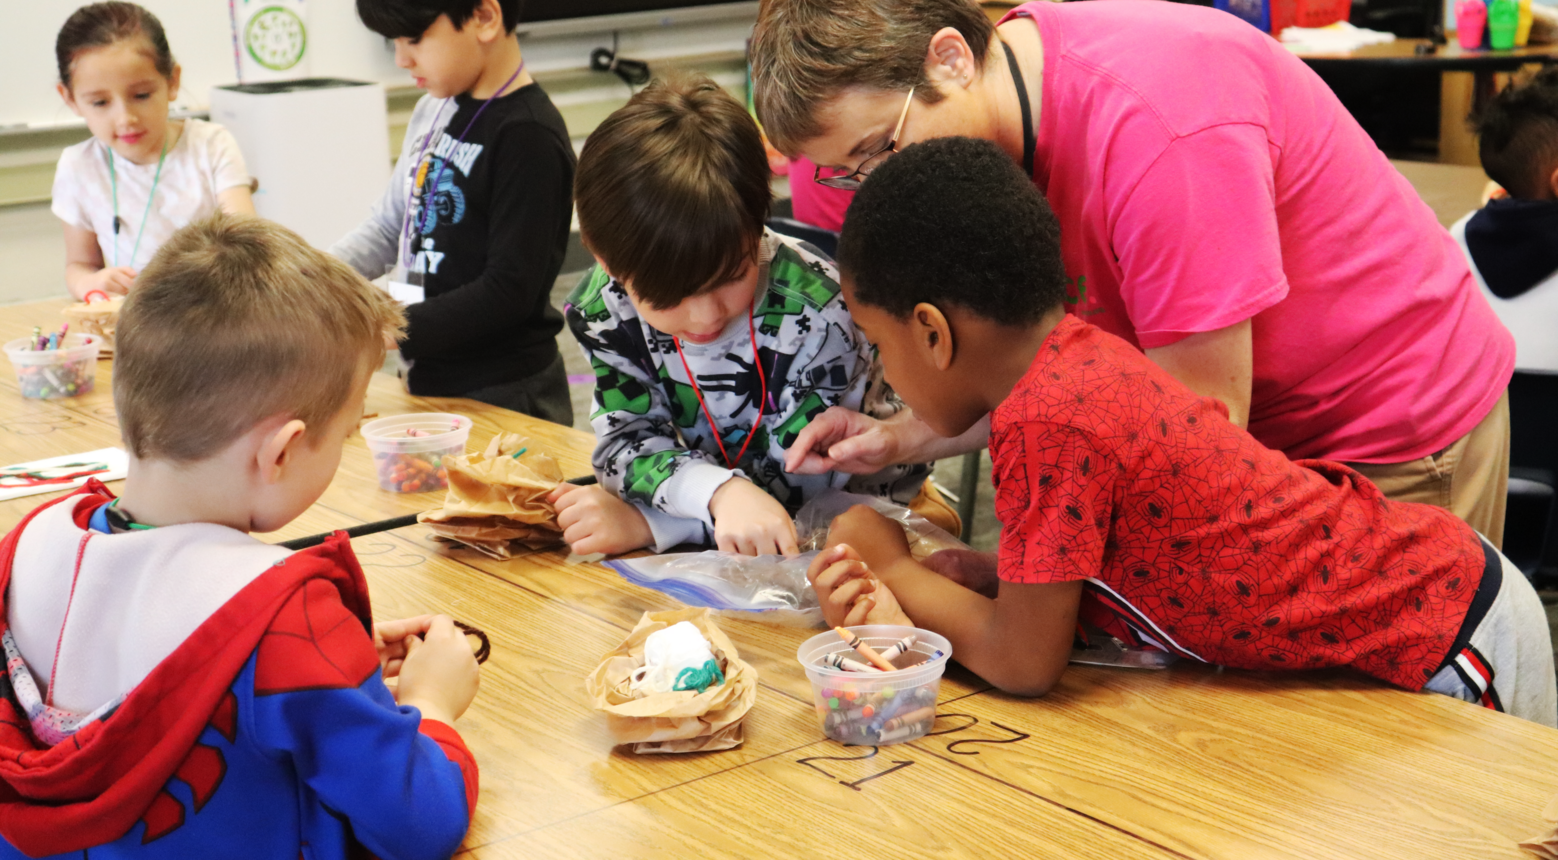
x=46, y=374
x=876, y=708
x=409, y=450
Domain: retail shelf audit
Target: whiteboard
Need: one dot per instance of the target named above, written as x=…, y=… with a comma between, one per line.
x=201, y=39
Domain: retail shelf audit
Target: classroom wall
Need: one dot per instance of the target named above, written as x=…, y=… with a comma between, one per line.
x=35, y=126
x=339, y=46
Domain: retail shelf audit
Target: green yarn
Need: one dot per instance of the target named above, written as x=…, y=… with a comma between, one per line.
x=700, y=678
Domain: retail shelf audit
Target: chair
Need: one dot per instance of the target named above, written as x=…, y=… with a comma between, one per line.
x=825, y=241
x=1531, y=522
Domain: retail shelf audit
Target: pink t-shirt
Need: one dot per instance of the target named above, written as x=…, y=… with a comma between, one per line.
x=1203, y=176
x=813, y=203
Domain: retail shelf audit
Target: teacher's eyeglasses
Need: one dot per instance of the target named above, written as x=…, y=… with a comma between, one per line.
x=851, y=181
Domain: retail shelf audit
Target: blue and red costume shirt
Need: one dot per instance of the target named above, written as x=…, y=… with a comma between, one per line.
x=268, y=733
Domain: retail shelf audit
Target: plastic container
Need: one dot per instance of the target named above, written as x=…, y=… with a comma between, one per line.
x=409, y=450
x=1503, y=21
x=47, y=374
x=1307, y=13
x=1471, y=16
x=876, y=708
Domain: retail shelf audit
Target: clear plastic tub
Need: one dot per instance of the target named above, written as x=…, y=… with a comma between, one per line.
x=46, y=374
x=409, y=450
x=876, y=708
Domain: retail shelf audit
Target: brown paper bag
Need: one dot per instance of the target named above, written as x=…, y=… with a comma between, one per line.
x=497, y=504
x=679, y=721
x=1545, y=846
x=97, y=318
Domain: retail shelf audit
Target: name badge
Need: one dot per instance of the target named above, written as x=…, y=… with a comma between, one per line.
x=406, y=294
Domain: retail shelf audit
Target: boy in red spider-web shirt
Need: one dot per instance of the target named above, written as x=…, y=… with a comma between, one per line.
x=1126, y=500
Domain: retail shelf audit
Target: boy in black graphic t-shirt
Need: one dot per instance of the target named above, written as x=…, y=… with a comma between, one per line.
x=476, y=215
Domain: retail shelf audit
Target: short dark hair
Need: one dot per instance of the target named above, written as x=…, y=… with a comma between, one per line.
x=102, y=24
x=408, y=19
x=1518, y=132
x=672, y=189
x=953, y=221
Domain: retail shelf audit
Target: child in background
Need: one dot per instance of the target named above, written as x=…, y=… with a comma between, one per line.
x=178, y=688
x=1512, y=242
x=1126, y=500
x=139, y=177
x=714, y=341
x=476, y=215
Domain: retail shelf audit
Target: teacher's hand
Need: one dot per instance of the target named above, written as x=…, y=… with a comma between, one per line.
x=843, y=440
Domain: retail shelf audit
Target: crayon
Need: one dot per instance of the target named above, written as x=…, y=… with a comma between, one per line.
x=899, y=647
x=839, y=661
x=865, y=650
x=918, y=715
x=903, y=734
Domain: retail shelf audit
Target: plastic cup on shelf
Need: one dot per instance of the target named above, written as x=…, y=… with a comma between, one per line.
x=409, y=450
x=876, y=708
x=47, y=374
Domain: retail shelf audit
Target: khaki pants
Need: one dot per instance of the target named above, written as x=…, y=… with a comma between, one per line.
x=1470, y=478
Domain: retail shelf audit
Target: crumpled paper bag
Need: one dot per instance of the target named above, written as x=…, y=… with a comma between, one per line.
x=97, y=318
x=497, y=504
x=678, y=721
x=1546, y=845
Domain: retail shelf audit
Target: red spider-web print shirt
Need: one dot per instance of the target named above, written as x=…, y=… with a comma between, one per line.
x=1197, y=539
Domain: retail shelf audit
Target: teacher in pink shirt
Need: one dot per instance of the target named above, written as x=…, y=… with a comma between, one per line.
x=1219, y=209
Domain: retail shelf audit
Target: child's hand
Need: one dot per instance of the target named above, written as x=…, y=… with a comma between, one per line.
x=749, y=521
x=389, y=639
x=438, y=675
x=594, y=520
x=113, y=280
x=849, y=593
x=879, y=540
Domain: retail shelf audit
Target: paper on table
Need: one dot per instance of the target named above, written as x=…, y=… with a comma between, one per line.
x=115, y=461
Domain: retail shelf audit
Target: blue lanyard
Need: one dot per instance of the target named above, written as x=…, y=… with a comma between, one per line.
x=420, y=173
x=113, y=181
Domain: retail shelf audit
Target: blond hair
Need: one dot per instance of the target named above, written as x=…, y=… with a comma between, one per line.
x=234, y=321
x=805, y=52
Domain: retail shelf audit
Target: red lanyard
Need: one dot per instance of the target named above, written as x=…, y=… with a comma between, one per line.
x=762, y=404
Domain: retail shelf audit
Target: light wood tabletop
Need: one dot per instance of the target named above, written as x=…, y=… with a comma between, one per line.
x=1191, y=762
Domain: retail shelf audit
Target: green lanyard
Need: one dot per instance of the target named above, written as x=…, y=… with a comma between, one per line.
x=113, y=181
x=127, y=522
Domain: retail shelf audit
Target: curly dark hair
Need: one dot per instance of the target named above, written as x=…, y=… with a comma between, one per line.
x=953, y=221
x=1518, y=131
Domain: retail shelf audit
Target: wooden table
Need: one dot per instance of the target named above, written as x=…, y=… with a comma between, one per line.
x=1191, y=762
x=1467, y=79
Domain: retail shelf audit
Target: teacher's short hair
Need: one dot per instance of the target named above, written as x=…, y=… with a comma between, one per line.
x=953, y=221
x=805, y=52
x=234, y=321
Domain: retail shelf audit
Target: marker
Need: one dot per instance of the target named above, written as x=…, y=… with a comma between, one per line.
x=865, y=650
x=839, y=661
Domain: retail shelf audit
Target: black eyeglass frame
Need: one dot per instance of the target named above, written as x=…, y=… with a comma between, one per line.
x=853, y=180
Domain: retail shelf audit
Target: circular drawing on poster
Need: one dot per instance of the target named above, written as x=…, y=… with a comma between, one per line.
x=275, y=37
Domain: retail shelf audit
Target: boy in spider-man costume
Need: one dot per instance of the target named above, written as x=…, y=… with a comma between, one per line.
x=1124, y=498
x=177, y=688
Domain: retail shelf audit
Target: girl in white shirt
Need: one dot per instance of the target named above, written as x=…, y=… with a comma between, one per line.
x=140, y=177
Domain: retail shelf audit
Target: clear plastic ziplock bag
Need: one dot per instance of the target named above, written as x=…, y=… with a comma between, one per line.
x=772, y=588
